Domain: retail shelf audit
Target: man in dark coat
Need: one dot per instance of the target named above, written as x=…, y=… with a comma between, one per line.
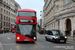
x=66, y=32
x=41, y=32
x=74, y=32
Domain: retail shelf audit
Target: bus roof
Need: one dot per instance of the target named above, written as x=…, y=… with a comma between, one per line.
x=30, y=10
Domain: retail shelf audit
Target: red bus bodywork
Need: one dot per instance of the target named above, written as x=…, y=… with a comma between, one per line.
x=22, y=37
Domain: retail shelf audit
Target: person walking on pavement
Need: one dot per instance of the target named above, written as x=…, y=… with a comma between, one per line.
x=41, y=32
x=66, y=32
x=74, y=32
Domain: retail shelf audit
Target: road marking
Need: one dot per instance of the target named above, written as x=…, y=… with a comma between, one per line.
x=1, y=46
x=10, y=49
x=8, y=38
x=9, y=44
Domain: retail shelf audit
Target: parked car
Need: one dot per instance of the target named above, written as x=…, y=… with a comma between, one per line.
x=55, y=36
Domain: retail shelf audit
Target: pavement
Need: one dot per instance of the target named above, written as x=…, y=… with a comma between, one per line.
x=71, y=39
x=7, y=42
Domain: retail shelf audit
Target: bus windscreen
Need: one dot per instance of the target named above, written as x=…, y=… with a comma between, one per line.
x=26, y=29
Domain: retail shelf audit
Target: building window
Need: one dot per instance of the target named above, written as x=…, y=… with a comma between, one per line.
x=57, y=7
x=9, y=19
x=69, y=3
x=4, y=23
x=64, y=3
x=1, y=9
x=1, y=24
x=1, y=16
x=4, y=17
x=4, y=11
x=9, y=13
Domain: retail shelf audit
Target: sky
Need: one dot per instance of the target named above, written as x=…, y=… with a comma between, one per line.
x=36, y=5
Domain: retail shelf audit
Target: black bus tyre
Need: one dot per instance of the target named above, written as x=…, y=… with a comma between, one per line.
x=33, y=42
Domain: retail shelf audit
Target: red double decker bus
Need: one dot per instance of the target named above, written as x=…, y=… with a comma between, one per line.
x=26, y=25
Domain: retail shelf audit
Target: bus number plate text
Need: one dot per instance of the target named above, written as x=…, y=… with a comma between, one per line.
x=26, y=39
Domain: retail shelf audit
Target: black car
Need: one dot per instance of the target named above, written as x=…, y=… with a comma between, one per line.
x=55, y=36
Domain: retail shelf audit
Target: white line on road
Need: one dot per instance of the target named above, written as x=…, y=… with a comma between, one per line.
x=8, y=38
x=10, y=49
x=9, y=44
x=1, y=47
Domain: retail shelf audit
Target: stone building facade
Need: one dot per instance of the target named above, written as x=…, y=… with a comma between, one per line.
x=60, y=15
x=8, y=11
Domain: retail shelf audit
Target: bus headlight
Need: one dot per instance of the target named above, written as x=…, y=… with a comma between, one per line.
x=34, y=37
x=65, y=37
x=18, y=37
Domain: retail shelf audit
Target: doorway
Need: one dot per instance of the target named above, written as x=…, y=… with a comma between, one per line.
x=68, y=26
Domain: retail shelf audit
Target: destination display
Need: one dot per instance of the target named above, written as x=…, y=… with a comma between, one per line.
x=26, y=21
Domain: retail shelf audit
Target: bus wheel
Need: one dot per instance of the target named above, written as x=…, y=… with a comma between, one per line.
x=33, y=42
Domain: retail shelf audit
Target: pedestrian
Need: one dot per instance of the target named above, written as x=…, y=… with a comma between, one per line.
x=3, y=31
x=66, y=32
x=74, y=32
x=45, y=31
x=41, y=32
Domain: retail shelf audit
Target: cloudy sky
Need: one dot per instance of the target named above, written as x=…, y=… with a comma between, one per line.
x=32, y=4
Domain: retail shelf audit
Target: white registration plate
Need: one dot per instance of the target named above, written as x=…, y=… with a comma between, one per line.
x=26, y=39
x=61, y=40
